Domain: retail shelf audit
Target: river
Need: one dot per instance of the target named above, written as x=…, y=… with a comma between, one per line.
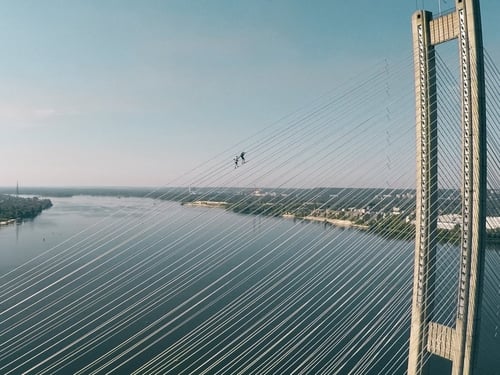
x=117, y=285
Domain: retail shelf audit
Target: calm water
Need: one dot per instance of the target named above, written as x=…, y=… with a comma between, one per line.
x=114, y=285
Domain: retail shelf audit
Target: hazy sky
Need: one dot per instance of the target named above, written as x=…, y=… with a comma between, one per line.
x=128, y=92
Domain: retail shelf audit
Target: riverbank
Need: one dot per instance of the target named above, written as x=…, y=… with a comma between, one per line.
x=7, y=222
x=336, y=222
x=210, y=204
x=14, y=208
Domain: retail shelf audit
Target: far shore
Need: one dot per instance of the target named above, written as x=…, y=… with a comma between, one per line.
x=7, y=222
x=336, y=222
x=211, y=204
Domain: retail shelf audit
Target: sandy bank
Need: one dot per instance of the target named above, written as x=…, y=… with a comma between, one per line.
x=211, y=204
x=336, y=222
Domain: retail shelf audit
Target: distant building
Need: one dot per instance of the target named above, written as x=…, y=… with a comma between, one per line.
x=449, y=221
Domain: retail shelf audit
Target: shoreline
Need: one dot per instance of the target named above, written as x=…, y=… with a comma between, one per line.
x=8, y=222
x=210, y=204
x=336, y=222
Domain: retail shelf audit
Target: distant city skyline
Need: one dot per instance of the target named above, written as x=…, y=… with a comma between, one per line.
x=128, y=93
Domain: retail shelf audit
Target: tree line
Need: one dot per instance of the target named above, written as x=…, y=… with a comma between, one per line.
x=13, y=207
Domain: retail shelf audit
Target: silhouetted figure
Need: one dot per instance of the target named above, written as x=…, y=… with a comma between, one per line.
x=242, y=157
x=236, y=160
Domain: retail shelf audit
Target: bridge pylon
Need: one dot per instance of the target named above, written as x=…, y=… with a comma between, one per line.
x=457, y=343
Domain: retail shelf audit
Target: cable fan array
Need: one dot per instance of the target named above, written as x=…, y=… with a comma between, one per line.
x=170, y=289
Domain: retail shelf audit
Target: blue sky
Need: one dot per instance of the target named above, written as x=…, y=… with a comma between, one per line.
x=122, y=92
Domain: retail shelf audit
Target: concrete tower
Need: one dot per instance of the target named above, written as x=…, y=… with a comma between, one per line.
x=457, y=343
